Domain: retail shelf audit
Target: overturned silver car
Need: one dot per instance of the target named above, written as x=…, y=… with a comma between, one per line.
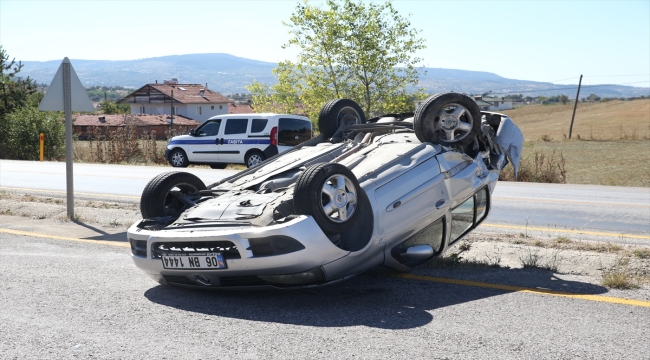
x=396, y=190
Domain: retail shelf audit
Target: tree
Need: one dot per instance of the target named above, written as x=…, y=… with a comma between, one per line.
x=108, y=107
x=23, y=127
x=564, y=99
x=14, y=91
x=593, y=97
x=362, y=51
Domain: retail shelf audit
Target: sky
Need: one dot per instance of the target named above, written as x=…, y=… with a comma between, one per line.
x=552, y=41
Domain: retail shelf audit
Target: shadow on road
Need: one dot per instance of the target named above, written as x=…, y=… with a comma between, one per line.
x=376, y=301
x=121, y=236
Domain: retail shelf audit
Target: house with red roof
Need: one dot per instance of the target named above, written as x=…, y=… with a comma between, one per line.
x=193, y=101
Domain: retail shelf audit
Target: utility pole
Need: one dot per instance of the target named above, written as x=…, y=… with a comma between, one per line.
x=172, y=122
x=574, y=107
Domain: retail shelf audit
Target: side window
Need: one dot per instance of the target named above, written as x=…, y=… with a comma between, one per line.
x=292, y=132
x=481, y=205
x=210, y=128
x=462, y=218
x=469, y=214
x=236, y=126
x=258, y=125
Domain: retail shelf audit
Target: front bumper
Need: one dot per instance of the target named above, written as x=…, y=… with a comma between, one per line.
x=245, y=267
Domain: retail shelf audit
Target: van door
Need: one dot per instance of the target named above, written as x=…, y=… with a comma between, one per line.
x=234, y=141
x=203, y=146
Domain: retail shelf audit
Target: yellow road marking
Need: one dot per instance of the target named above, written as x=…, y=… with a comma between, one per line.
x=27, y=233
x=568, y=201
x=76, y=193
x=597, y=298
x=585, y=232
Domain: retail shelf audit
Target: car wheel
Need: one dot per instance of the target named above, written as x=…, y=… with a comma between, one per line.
x=169, y=194
x=253, y=158
x=328, y=192
x=338, y=112
x=218, y=166
x=178, y=158
x=447, y=119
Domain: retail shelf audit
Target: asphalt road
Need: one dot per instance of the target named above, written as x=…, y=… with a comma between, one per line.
x=64, y=299
x=618, y=210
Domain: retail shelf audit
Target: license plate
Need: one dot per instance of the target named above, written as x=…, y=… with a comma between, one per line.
x=194, y=261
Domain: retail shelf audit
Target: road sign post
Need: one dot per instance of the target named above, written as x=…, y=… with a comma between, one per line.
x=67, y=94
x=41, y=141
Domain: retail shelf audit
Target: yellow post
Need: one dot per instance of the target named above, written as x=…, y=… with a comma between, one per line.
x=42, y=138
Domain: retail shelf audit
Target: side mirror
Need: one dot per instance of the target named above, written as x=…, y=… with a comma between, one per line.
x=416, y=255
x=192, y=132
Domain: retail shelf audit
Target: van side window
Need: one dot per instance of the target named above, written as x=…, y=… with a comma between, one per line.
x=258, y=125
x=236, y=126
x=292, y=132
x=210, y=128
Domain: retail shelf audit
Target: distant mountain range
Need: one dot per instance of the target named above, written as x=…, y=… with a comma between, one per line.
x=229, y=74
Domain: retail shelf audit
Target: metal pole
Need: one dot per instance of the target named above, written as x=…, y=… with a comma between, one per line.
x=172, y=122
x=67, y=107
x=574, y=107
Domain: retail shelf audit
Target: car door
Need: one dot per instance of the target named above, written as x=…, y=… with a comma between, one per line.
x=413, y=200
x=234, y=140
x=204, y=147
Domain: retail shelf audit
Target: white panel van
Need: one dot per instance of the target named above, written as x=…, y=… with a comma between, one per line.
x=238, y=139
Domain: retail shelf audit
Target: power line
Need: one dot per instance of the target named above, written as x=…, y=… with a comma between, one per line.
x=615, y=75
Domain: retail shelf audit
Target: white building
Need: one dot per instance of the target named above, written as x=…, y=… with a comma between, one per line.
x=493, y=103
x=190, y=100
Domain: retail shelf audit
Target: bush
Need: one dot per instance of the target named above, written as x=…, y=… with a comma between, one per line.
x=538, y=167
x=21, y=130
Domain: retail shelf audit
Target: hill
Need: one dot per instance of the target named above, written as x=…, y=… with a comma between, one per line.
x=229, y=74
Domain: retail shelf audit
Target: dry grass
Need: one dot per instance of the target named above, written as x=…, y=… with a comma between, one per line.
x=617, y=163
x=620, y=276
x=612, y=120
x=610, y=143
x=538, y=167
x=121, y=146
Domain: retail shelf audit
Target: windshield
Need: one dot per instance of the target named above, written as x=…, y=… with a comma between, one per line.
x=208, y=128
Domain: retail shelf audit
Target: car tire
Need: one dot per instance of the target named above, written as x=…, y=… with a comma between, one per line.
x=339, y=112
x=253, y=158
x=448, y=119
x=218, y=166
x=162, y=195
x=329, y=192
x=178, y=158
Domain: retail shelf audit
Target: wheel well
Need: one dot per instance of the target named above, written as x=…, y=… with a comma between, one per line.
x=254, y=150
x=172, y=150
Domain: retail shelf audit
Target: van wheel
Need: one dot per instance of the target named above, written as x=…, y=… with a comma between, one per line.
x=329, y=192
x=178, y=158
x=253, y=158
x=218, y=166
x=339, y=112
x=169, y=194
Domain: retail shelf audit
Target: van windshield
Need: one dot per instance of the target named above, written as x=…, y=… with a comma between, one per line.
x=208, y=128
